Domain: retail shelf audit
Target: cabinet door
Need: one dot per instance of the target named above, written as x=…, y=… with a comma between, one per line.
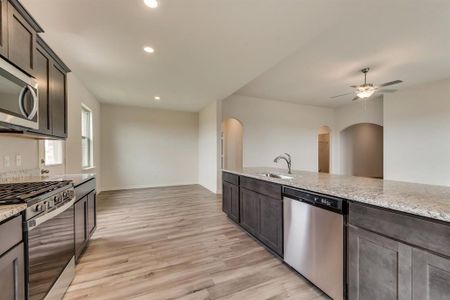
x=226, y=198
x=12, y=274
x=92, y=212
x=21, y=41
x=249, y=207
x=270, y=230
x=378, y=267
x=431, y=276
x=42, y=71
x=230, y=203
x=58, y=101
x=3, y=28
x=81, y=233
x=234, y=208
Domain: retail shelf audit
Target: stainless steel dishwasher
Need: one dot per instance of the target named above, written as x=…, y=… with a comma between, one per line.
x=314, y=239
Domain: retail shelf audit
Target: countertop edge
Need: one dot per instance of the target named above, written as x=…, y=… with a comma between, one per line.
x=428, y=213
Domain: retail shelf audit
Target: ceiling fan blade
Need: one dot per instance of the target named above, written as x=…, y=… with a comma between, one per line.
x=340, y=95
x=356, y=98
x=391, y=83
x=386, y=91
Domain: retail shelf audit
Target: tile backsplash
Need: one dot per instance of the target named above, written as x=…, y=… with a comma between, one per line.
x=19, y=157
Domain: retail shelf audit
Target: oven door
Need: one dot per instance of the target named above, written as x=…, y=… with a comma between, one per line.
x=19, y=103
x=50, y=249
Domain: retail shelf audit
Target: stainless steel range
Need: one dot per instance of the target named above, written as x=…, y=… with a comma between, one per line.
x=49, y=235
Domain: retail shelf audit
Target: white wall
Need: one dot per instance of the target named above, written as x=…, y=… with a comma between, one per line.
x=417, y=134
x=12, y=146
x=233, y=136
x=273, y=127
x=144, y=147
x=208, y=150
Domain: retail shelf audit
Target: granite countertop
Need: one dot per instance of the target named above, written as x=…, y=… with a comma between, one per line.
x=77, y=179
x=429, y=201
x=7, y=211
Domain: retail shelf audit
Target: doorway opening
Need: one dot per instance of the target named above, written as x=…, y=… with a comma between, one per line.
x=232, y=144
x=362, y=150
x=324, y=149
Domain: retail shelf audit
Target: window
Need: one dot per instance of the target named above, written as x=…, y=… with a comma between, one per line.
x=86, y=138
x=53, y=152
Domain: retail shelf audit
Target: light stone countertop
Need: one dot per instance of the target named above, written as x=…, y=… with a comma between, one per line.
x=7, y=211
x=425, y=200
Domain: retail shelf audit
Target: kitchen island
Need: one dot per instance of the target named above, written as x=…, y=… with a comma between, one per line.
x=396, y=234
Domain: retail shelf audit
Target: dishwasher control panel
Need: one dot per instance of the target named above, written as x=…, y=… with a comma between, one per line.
x=312, y=198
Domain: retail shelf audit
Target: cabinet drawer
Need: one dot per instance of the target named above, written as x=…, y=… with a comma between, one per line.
x=263, y=187
x=10, y=234
x=85, y=188
x=231, y=178
x=431, y=235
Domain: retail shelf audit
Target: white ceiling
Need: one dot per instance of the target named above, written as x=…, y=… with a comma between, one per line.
x=299, y=51
x=406, y=40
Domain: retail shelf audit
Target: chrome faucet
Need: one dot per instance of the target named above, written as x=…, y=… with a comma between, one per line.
x=288, y=160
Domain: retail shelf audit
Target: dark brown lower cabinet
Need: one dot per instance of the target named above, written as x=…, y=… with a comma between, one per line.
x=271, y=223
x=392, y=255
x=92, y=212
x=12, y=276
x=431, y=276
x=262, y=216
x=85, y=221
x=249, y=208
x=378, y=267
x=81, y=232
x=230, y=204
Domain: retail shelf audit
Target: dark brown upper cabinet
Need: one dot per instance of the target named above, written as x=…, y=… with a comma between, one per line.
x=3, y=28
x=42, y=70
x=21, y=41
x=58, y=101
x=51, y=76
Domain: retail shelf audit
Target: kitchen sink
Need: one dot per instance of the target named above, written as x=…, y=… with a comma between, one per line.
x=279, y=176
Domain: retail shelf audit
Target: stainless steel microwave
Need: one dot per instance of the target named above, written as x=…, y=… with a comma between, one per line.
x=19, y=102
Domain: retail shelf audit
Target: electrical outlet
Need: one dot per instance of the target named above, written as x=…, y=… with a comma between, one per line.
x=18, y=160
x=6, y=161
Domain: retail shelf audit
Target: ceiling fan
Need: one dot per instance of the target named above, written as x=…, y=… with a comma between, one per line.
x=366, y=90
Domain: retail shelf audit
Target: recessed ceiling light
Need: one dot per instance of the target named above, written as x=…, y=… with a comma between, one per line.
x=151, y=3
x=157, y=98
x=149, y=49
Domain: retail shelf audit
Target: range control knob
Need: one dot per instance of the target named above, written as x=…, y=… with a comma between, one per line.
x=38, y=208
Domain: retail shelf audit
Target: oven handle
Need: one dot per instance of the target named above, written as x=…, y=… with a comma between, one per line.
x=33, y=223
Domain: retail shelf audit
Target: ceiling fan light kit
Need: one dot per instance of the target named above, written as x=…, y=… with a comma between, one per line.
x=366, y=90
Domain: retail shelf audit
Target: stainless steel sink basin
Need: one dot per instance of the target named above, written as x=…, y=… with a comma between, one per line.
x=279, y=176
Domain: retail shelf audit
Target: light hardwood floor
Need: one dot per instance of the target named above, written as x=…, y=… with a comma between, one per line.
x=175, y=243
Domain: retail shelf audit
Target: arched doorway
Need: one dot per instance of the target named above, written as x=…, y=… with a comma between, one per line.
x=324, y=149
x=232, y=148
x=362, y=150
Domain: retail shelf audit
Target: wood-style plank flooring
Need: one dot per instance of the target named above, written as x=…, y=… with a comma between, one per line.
x=175, y=243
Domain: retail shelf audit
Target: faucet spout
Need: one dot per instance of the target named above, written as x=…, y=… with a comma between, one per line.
x=287, y=157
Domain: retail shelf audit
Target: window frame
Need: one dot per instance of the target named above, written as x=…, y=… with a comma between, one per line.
x=89, y=138
x=46, y=164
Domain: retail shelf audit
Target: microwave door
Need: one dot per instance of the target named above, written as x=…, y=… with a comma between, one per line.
x=18, y=98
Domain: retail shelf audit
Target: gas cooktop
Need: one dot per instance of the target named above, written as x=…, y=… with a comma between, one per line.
x=14, y=193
